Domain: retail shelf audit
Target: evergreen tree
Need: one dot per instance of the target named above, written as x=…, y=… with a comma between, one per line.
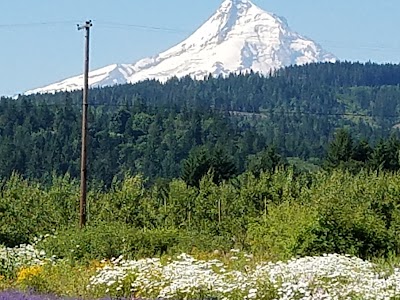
x=340, y=150
x=196, y=166
x=266, y=161
x=202, y=161
x=386, y=155
x=362, y=151
x=150, y=127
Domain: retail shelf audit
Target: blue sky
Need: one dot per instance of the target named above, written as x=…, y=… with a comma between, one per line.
x=37, y=55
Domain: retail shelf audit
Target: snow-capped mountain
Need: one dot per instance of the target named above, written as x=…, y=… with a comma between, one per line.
x=239, y=37
x=109, y=75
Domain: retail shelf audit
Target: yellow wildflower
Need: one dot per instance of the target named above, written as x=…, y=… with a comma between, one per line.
x=96, y=265
x=28, y=273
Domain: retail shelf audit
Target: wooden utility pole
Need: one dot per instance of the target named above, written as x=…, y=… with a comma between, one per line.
x=82, y=206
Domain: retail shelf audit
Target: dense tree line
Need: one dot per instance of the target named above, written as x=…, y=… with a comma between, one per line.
x=347, y=153
x=156, y=129
x=278, y=215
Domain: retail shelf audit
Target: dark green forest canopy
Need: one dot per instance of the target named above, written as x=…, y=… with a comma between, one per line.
x=151, y=128
x=249, y=92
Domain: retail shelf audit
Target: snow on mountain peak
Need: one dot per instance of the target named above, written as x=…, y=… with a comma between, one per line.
x=238, y=4
x=238, y=37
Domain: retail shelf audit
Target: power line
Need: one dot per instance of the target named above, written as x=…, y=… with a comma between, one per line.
x=34, y=24
x=137, y=26
x=101, y=23
x=305, y=113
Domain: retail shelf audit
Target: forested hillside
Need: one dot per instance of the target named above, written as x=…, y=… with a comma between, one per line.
x=238, y=172
x=151, y=128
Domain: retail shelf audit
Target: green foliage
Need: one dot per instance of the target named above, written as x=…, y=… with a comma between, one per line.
x=196, y=167
x=201, y=161
x=277, y=214
x=108, y=240
x=386, y=155
x=346, y=154
x=285, y=231
x=65, y=278
x=350, y=221
x=340, y=150
x=235, y=190
x=111, y=240
x=27, y=210
x=150, y=128
x=124, y=203
x=266, y=161
x=362, y=151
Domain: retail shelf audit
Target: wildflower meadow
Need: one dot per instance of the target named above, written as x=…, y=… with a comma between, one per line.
x=279, y=236
x=236, y=275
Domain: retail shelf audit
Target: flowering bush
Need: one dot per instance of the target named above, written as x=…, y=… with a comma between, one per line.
x=12, y=259
x=233, y=276
x=324, y=277
x=28, y=277
x=184, y=277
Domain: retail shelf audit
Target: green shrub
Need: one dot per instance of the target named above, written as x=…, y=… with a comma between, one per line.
x=286, y=231
x=64, y=279
x=108, y=240
x=28, y=210
x=277, y=215
x=355, y=213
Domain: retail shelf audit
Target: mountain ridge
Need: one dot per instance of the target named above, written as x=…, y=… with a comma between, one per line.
x=239, y=37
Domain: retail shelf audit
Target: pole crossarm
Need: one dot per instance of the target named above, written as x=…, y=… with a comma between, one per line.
x=86, y=25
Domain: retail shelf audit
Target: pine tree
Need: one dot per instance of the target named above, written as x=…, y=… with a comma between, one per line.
x=386, y=155
x=266, y=161
x=340, y=150
x=202, y=161
x=195, y=167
